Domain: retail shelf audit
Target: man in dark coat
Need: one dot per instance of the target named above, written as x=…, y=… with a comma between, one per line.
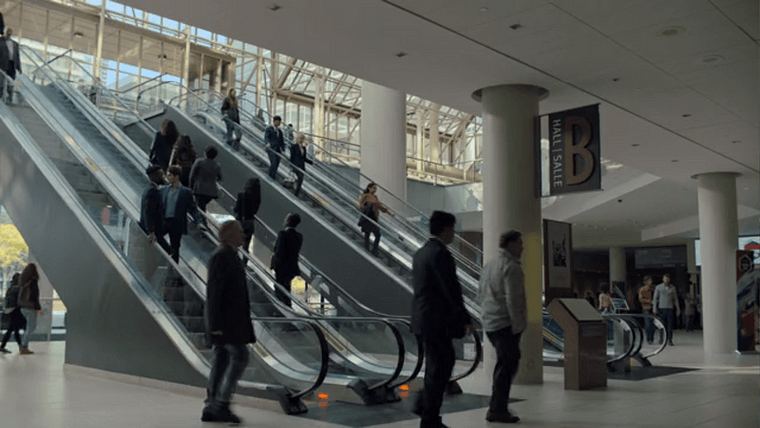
x=438, y=315
x=285, y=257
x=177, y=202
x=275, y=144
x=151, y=212
x=10, y=59
x=228, y=323
x=299, y=160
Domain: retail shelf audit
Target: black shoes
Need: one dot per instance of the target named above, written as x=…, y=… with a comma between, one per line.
x=506, y=418
x=220, y=416
x=671, y=343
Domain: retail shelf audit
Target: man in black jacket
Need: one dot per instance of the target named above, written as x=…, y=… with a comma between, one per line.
x=151, y=214
x=285, y=257
x=177, y=202
x=275, y=144
x=299, y=159
x=10, y=60
x=228, y=323
x=438, y=315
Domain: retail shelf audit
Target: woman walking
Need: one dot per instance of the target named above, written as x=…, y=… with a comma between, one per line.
x=13, y=312
x=161, y=149
x=370, y=207
x=246, y=206
x=29, y=301
x=231, y=118
x=183, y=156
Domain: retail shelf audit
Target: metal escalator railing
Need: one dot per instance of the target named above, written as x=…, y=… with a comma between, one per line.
x=67, y=135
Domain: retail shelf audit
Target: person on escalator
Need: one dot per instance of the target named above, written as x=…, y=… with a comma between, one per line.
x=246, y=207
x=275, y=145
x=231, y=117
x=151, y=211
x=504, y=306
x=438, y=315
x=285, y=257
x=370, y=207
x=299, y=159
x=228, y=324
x=183, y=156
x=177, y=202
x=203, y=177
x=163, y=143
x=10, y=58
x=29, y=301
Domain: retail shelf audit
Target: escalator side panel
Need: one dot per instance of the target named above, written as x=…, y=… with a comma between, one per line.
x=108, y=326
x=346, y=264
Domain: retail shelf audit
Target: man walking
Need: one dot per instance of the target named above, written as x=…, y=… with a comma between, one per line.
x=502, y=294
x=275, y=145
x=151, y=212
x=438, y=315
x=177, y=202
x=665, y=301
x=228, y=323
x=646, y=296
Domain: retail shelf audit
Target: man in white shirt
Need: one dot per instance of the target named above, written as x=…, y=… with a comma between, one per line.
x=503, y=302
x=665, y=301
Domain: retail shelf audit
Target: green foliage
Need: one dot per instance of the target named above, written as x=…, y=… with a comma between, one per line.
x=14, y=253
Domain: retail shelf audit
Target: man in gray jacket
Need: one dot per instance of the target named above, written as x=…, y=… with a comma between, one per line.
x=502, y=294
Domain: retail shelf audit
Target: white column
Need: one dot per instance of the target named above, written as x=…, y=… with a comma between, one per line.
x=718, y=232
x=383, y=139
x=510, y=201
x=617, y=264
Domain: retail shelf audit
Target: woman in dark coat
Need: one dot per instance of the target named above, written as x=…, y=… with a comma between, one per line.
x=161, y=149
x=13, y=312
x=29, y=301
x=183, y=156
x=246, y=207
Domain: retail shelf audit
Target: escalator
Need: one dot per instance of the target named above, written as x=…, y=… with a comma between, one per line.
x=131, y=310
x=104, y=148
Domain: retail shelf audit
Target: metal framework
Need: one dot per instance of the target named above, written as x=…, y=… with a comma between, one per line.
x=127, y=46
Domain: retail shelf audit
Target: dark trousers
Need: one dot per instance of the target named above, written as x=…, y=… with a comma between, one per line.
x=227, y=368
x=689, y=322
x=247, y=233
x=299, y=181
x=669, y=317
x=507, y=347
x=439, y=362
x=376, y=244
x=202, y=201
x=12, y=74
x=232, y=128
x=274, y=162
x=174, y=228
x=16, y=323
x=649, y=326
x=283, y=277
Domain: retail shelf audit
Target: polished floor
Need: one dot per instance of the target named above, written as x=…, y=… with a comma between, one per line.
x=37, y=392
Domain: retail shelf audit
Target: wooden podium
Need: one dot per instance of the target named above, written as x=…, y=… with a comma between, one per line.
x=585, y=343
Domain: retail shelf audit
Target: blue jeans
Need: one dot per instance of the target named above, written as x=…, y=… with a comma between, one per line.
x=227, y=368
x=649, y=326
x=31, y=325
x=669, y=317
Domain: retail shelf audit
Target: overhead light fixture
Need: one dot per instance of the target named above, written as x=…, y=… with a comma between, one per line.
x=686, y=115
x=483, y=9
x=736, y=142
x=635, y=145
x=515, y=26
x=674, y=160
x=401, y=54
x=671, y=31
x=274, y=7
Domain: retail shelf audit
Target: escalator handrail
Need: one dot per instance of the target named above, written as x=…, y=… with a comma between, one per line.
x=201, y=291
x=476, y=360
x=631, y=325
x=656, y=320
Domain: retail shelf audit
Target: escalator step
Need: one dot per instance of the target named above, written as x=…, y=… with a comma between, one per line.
x=194, y=324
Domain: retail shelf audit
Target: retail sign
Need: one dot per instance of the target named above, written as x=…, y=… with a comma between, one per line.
x=558, y=259
x=747, y=283
x=573, y=163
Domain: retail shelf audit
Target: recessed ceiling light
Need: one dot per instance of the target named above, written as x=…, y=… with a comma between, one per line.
x=401, y=54
x=635, y=145
x=274, y=7
x=736, y=142
x=515, y=26
x=674, y=160
x=483, y=9
x=637, y=89
x=686, y=115
x=712, y=59
x=671, y=31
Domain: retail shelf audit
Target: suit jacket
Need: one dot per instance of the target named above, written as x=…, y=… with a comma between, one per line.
x=298, y=156
x=151, y=211
x=6, y=58
x=286, y=249
x=185, y=205
x=227, y=305
x=203, y=177
x=161, y=151
x=437, y=308
x=273, y=136
x=247, y=205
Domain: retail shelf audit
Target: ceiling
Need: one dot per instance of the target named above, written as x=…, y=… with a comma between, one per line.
x=676, y=78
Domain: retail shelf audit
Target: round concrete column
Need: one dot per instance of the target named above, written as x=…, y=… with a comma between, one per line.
x=718, y=232
x=510, y=201
x=617, y=264
x=383, y=139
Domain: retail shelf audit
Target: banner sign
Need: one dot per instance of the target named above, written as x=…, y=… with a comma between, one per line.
x=558, y=255
x=574, y=158
x=747, y=280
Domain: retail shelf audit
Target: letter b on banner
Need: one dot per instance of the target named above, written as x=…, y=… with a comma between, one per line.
x=578, y=172
x=578, y=130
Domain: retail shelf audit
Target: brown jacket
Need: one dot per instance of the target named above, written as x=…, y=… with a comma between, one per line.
x=369, y=198
x=645, y=297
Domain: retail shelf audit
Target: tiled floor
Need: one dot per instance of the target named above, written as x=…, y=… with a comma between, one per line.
x=37, y=392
